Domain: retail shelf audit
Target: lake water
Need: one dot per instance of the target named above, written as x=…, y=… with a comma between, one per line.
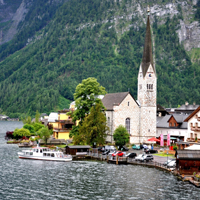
x=32, y=179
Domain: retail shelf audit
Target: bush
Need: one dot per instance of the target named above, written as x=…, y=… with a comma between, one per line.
x=175, y=148
x=9, y=134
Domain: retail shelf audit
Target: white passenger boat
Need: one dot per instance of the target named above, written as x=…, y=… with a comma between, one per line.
x=44, y=153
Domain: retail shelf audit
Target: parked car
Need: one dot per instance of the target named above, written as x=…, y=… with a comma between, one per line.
x=144, y=157
x=131, y=155
x=148, y=157
x=147, y=151
x=136, y=147
x=101, y=148
x=119, y=153
x=111, y=148
x=171, y=164
x=106, y=152
x=124, y=148
x=105, y=149
x=167, y=162
x=139, y=157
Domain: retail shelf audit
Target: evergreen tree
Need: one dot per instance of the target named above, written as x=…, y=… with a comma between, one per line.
x=94, y=128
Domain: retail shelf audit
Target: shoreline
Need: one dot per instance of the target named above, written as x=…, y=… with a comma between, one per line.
x=153, y=164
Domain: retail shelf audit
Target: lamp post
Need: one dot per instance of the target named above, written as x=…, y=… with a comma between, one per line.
x=167, y=159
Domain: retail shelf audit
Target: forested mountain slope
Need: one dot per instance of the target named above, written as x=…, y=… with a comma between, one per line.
x=47, y=58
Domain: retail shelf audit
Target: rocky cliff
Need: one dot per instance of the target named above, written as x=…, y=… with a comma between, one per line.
x=188, y=30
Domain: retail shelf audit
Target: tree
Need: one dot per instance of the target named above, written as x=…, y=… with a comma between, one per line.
x=93, y=129
x=121, y=136
x=86, y=96
x=20, y=133
x=44, y=134
x=37, y=117
x=37, y=126
x=27, y=120
x=29, y=127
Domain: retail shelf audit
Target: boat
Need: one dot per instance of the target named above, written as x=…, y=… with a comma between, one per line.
x=44, y=153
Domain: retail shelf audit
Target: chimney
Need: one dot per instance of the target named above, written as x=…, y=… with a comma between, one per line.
x=186, y=103
x=194, y=103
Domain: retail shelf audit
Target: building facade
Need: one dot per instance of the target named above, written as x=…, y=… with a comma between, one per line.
x=122, y=109
x=62, y=124
x=193, y=126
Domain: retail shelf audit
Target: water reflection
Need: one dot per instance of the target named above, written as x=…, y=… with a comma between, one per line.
x=29, y=179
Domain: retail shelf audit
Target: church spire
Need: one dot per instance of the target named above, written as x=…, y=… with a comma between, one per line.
x=147, y=53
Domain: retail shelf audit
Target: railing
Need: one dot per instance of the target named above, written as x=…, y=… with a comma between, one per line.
x=149, y=163
x=195, y=128
x=109, y=157
x=65, y=121
x=62, y=129
x=190, y=140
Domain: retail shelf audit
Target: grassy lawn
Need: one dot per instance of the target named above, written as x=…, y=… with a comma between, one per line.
x=162, y=154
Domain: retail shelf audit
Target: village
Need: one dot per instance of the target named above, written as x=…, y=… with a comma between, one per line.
x=176, y=130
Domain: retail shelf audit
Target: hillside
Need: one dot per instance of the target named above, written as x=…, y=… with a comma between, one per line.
x=77, y=39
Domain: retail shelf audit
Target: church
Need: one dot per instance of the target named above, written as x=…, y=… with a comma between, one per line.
x=139, y=117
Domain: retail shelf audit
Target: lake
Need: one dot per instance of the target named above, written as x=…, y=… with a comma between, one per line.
x=80, y=180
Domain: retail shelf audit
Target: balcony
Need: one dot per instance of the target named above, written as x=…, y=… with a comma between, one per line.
x=62, y=129
x=195, y=128
x=65, y=121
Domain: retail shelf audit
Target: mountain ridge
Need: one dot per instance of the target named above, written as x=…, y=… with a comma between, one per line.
x=103, y=39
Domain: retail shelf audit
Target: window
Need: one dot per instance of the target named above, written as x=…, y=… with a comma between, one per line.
x=174, y=124
x=140, y=86
x=149, y=75
x=108, y=121
x=170, y=124
x=128, y=125
x=128, y=103
x=149, y=86
x=191, y=135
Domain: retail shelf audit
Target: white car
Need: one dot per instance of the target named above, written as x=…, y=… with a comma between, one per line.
x=171, y=164
x=140, y=157
x=144, y=157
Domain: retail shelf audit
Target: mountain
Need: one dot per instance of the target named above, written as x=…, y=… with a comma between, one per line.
x=58, y=43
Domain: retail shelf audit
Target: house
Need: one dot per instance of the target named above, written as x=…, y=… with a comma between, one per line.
x=183, y=109
x=139, y=117
x=62, y=124
x=188, y=161
x=193, y=126
x=174, y=125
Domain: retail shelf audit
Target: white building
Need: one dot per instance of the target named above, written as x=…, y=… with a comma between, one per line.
x=193, y=125
x=173, y=125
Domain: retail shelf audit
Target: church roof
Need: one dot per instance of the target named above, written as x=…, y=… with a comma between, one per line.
x=147, y=53
x=113, y=99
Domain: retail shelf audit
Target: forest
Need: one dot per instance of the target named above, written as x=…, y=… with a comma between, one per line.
x=78, y=39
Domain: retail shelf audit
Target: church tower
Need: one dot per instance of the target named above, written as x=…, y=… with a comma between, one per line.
x=147, y=90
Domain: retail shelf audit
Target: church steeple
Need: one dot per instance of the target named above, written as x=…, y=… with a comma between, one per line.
x=147, y=53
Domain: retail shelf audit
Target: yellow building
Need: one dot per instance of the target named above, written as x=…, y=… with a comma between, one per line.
x=62, y=124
